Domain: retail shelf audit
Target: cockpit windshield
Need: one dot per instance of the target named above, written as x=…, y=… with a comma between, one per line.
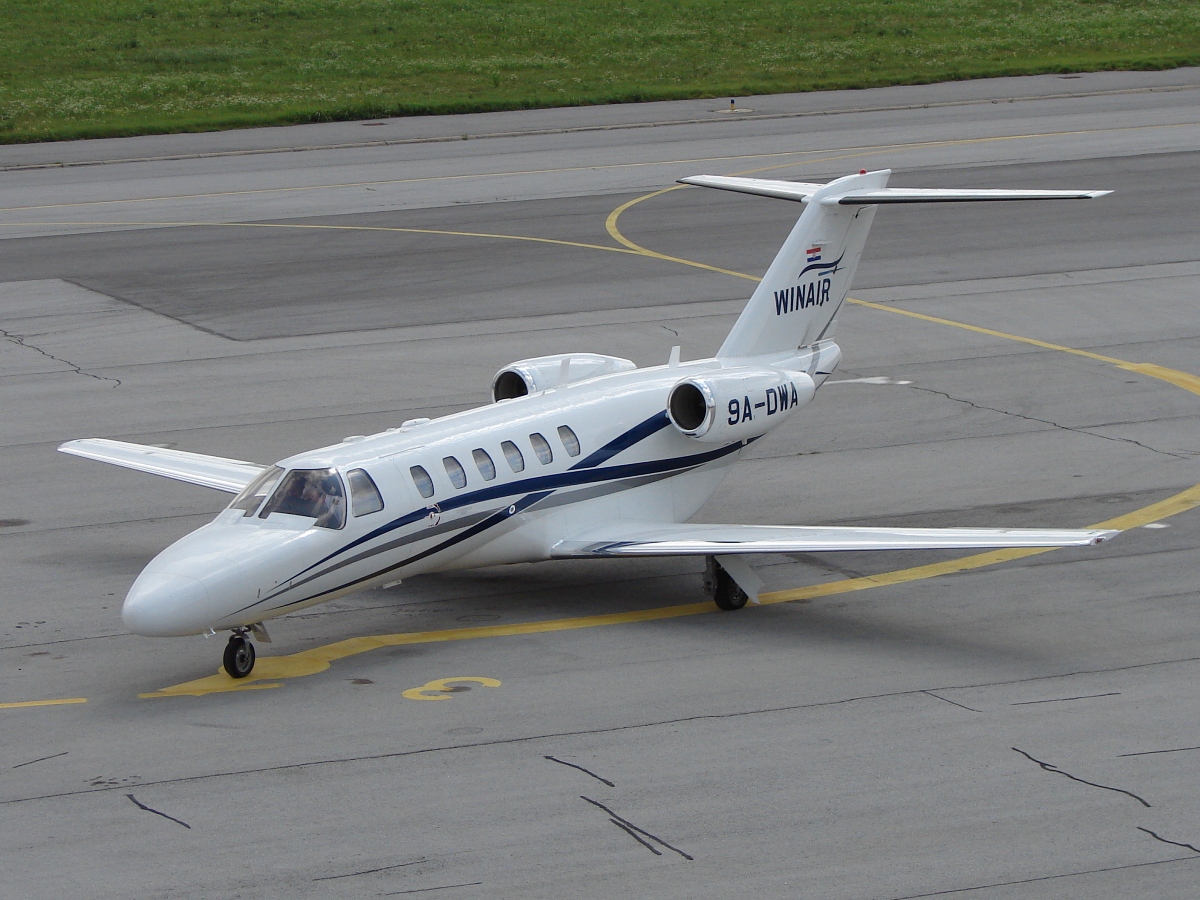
x=310, y=493
x=255, y=492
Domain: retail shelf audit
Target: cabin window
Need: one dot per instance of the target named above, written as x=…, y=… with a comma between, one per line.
x=512, y=453
x=422, y=480
x=569, y=441
x=542, y=448
x=487, y=468
x=312, y=494
x=454, y=469
x=256, y=491
x=364, y=496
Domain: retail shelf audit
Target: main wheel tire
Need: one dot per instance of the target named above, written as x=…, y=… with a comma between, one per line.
x=239, y=656
x=727, y=595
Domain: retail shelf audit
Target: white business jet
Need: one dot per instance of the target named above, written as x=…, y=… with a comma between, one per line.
x=579, y=455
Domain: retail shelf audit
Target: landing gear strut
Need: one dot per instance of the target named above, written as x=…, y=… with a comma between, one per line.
x=239, y=654
x=721, y=587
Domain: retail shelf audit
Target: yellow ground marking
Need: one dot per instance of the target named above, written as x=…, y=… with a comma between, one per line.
x=470, y=234
x=631, y=247
x=310, y=662
x=439, y=688
x=65, y=701
x=318, y=659
x=636, y=165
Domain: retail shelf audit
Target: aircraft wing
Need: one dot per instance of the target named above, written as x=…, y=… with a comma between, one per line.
x=721, y=540
x=229, y=475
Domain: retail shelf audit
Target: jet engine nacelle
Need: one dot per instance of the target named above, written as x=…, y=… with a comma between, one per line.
x=528, y=376
x=737, y=404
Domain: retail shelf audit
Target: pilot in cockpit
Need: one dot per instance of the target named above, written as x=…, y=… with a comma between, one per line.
x=314, y=494
x=324, y=494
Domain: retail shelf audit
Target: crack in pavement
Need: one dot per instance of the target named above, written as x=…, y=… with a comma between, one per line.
x=372, y=871
x=637, y=837
x=611, y=729
x=984, y=887
x=581, y=769
x=951, y=702
x=41, y=759
x=441, y=887
x=1165, y=841
x=1057, y=771
x=20, y=342
x=625, y=824
x=1153, y=752
x=1083, y=431
x=141, y=805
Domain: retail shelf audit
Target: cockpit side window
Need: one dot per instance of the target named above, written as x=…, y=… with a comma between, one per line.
x=312, y=494
x=541, y=447
x=255, y=492
x=364, y=495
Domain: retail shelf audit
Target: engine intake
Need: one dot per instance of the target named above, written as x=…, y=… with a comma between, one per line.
x=528, y=376
x=737, y=404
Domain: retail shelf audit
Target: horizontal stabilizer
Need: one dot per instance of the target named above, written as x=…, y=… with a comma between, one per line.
x=849, y=196
x=229, y=475
x=763, y=187
x=954, y=195
x=706, y=540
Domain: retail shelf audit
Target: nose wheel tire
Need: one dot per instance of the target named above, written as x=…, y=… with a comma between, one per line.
x=239, y=656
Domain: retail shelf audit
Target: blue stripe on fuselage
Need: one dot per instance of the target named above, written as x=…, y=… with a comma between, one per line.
x=542, y=486
x=634, y=435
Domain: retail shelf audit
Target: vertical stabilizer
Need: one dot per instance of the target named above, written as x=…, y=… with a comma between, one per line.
x=798, y=299
x=804, y=288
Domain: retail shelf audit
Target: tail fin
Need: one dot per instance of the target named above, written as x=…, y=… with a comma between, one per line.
x=797, y=300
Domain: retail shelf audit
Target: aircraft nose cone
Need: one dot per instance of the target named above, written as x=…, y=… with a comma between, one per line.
x=162, y=605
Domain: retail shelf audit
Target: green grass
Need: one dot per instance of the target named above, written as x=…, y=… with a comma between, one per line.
x=89, y=68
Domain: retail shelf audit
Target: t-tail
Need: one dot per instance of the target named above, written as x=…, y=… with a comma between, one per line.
x=797, y=302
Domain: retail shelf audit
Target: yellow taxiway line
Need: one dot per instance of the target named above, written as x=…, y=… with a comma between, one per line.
x=65, y=701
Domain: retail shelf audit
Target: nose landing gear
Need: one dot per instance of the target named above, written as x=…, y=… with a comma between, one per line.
x=239, y=654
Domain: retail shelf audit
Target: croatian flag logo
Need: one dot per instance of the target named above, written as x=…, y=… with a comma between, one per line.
x=814, y=254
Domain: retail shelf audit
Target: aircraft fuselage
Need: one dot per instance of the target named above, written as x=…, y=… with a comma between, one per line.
x=620, y=458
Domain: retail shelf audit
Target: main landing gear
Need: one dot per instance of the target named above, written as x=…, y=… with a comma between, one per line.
x=239, y=654
x=721, y=587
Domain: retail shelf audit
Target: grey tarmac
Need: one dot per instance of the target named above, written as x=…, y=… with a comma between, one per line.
x=1022, y=729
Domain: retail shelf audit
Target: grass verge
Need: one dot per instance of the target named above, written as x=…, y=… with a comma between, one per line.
x=98, y=68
